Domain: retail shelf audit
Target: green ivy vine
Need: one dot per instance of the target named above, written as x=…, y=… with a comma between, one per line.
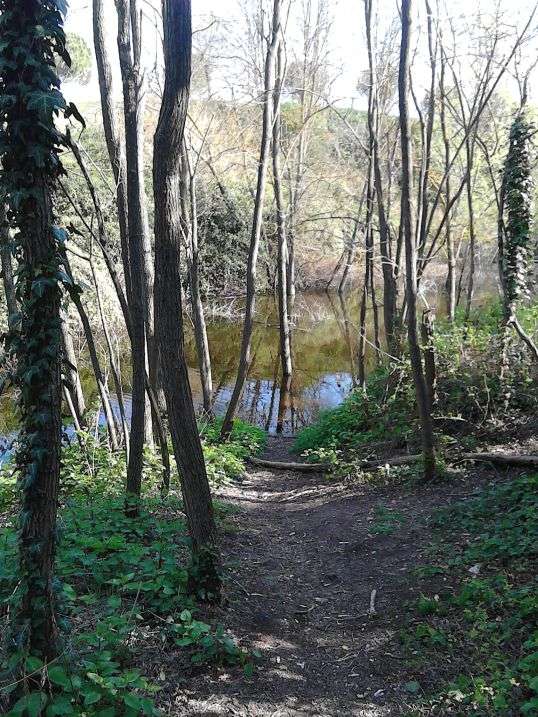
x=517, y=198
x=31, y=39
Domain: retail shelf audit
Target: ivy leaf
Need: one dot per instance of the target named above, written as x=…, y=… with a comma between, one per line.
x=45, y=102
x=60, y=706
x=58, y=676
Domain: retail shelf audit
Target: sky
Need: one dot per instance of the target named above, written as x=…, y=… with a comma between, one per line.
x=346, y=39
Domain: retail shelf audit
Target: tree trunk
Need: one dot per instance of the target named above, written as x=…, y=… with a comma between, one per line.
x=390, y=289
x=451, y=257
x=28, y=180
x=71, y=371
x=7, y=267
x=283, y=309
x=245, y=352
x=114, y=146
x=200, y=329
x=96, y=366
x=167, y=154
x=428, y=447
x=137, y=229
x=115, y=369
x=469, y=152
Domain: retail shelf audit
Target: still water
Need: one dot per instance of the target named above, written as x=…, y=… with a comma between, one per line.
x=324, y=347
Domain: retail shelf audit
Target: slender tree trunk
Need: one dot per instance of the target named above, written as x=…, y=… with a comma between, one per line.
x=114, y=368
x=169, y=324
x=469, y=152
x=200, y=329
x=71, y=371
x=283, y=309
x=390, y=289
x=96, y=366
x=112, y=136
x=7, y=267
x=350, y=254
x=428, y=446
x=283, y=402
x=137, y=228
x=451, y=257
x=245, y=353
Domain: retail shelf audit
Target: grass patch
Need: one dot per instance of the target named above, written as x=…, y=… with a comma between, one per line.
x=479, y=633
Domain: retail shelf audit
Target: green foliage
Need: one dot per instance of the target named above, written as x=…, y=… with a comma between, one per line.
x=468, y=388
x=485, y=626
x=517, y=195
x=120, y=576
x=244, y=440
x=386, y=520
x=364, y=416
x=225, y=461
x=80, y=67
x=209, y=645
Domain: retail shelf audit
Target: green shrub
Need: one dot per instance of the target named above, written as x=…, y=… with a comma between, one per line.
x=245, y=439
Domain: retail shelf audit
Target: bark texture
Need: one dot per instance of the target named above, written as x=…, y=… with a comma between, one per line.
x=168, y=143
x=137, y=229
x=428, y=447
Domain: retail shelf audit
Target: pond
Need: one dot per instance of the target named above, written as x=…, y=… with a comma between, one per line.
x=324, y=347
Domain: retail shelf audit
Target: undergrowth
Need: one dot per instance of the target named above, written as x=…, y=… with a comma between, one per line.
x=118, y=578
x=469, y=391
x=477, y=632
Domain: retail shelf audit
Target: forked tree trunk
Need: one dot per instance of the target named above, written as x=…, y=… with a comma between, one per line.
x=283, y=309
x=428, y=447
x=245, y=352
x=137, y=228
x=167, y=155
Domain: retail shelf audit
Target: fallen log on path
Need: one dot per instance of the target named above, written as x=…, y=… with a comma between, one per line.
x=292, y=466
x=503, y=459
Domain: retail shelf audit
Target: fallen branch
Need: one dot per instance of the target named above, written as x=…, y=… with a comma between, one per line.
x=505, y=459
x=520, y=331
x=395, y=461
x=282, y=466
x=372, y=610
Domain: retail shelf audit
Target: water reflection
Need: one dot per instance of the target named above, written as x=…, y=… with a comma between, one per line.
x=324, y=349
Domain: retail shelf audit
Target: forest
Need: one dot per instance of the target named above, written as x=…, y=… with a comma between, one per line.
x=269, y=358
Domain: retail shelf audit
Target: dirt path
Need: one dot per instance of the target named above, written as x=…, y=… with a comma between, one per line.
x=301, y=564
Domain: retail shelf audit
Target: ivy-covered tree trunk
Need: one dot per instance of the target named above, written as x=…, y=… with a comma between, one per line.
x=516, y=221
x=32, y=34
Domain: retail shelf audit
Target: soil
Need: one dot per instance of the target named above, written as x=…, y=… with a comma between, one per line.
x=301, y=563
